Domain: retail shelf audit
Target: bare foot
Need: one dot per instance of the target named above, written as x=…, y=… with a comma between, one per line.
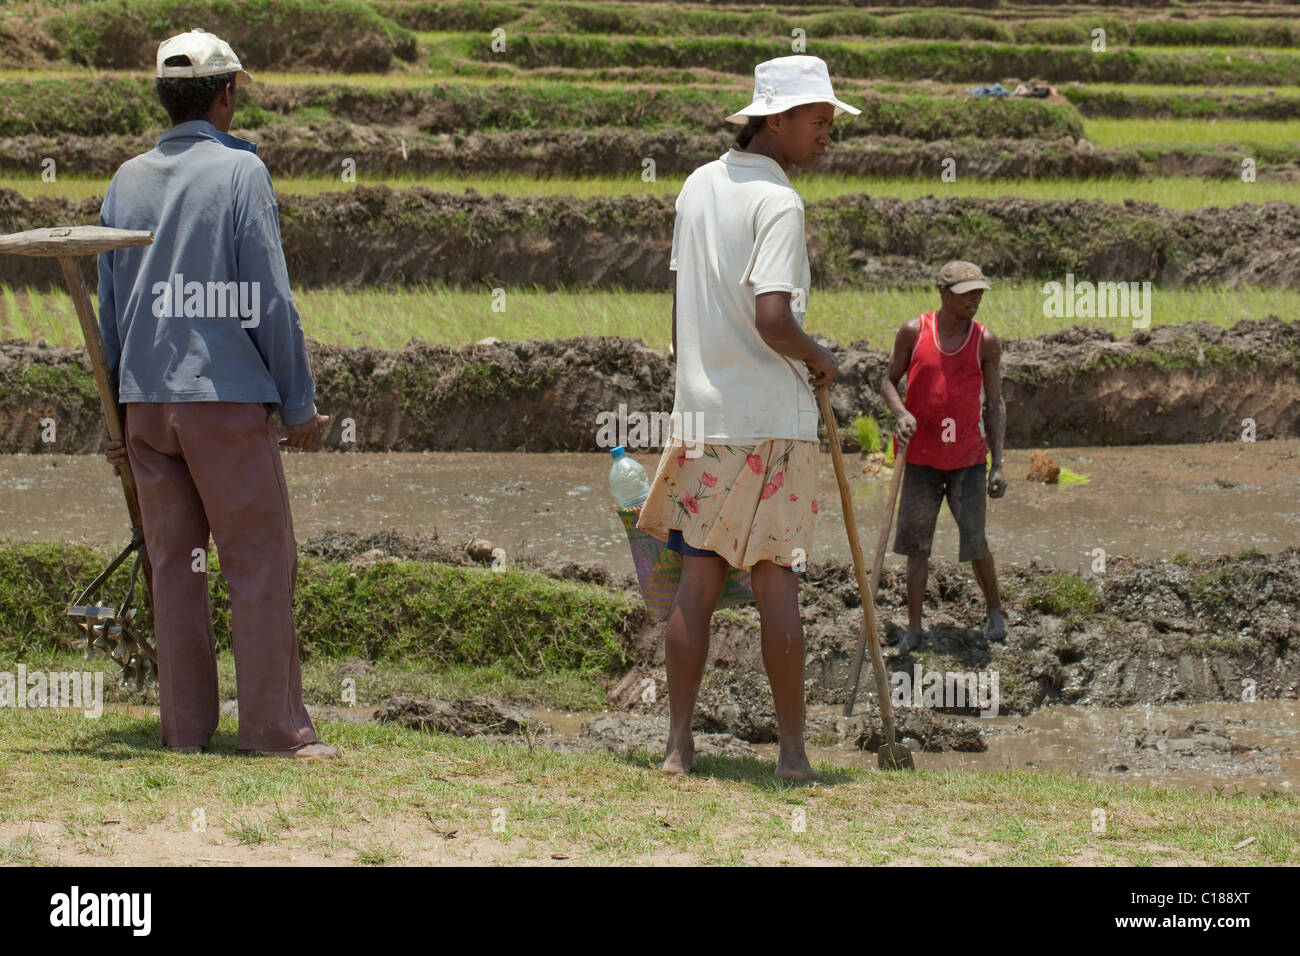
x=792, y=764
x=679, y=756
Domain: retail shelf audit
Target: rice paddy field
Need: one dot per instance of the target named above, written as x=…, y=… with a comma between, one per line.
x=1159, y=104
x=410, y=139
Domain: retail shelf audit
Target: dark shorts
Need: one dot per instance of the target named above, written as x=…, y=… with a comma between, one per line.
x=678, y=543
x=918, y=508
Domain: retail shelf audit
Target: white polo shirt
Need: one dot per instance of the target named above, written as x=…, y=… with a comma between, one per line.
x=739, y=232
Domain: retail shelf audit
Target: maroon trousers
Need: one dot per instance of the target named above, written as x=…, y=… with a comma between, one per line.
x=215, y=467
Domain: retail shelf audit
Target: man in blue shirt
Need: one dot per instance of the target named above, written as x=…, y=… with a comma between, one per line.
x=203, y=342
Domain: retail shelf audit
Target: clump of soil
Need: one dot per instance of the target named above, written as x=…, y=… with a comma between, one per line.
x=1201, y=745
x=930, y=731
x=1043, y=468
x=465, y=717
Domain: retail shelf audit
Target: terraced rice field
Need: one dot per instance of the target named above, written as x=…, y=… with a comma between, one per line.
x=431, y=155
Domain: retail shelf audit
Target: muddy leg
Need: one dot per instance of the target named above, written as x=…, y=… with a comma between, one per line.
x=987, y=577
x=995, y=625
x=918, y=569
x=776, y=592
x=686, y=650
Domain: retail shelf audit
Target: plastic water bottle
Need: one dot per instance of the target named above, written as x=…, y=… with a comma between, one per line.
x=628, y=481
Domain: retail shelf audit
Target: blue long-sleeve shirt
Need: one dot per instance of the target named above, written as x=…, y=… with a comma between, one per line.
x=205, y=312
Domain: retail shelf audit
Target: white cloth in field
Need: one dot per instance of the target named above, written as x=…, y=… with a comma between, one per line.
x=739, y=232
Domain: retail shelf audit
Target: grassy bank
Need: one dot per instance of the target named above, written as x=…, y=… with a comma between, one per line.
x=1202, y=132
x=400, y=796
x=435, y=615
x=947, y=60
x=342, y=35
x=389, y=318
x=125, y=103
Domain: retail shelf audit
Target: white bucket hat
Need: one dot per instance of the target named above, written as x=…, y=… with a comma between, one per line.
x=790, y=81
x=209, y=55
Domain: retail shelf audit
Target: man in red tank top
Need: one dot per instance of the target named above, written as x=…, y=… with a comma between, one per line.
x=954, y=402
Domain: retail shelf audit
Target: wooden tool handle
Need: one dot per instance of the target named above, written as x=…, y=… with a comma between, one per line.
x=107, y=396
x=864, y=587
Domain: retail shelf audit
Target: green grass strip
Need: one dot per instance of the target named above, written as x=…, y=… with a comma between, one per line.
x=442, y=616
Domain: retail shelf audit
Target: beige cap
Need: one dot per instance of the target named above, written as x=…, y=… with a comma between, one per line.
x=961, y=277
x=209, y=55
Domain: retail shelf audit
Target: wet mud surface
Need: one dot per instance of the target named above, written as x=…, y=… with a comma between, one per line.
x=1147, y=502
x=1080, y=386
x=1222, y=747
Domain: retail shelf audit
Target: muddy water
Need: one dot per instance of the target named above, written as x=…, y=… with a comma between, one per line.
x=1150, y=501
x=1094, y=741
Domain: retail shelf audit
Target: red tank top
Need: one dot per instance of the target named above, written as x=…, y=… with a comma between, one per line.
x=945, y=391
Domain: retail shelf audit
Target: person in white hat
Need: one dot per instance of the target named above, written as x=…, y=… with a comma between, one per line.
x=743, y=494
x=203, y=343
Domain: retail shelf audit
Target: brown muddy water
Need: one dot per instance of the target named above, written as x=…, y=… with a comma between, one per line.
x=1258, y=750
x=1146, y=501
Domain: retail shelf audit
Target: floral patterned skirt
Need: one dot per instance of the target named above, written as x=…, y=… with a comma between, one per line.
x=749, y=503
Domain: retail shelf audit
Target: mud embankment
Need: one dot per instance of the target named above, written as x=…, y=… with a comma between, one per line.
x=319, y=148
x=1080, y=386
x=1144, y=632
x=375, y=235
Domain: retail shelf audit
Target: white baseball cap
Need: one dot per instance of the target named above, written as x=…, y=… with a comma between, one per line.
x=790, y=81
x=209, y=55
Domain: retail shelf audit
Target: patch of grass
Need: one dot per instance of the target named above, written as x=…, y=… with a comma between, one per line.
x=342, y=35
x=1104, y=131
x=393, y=788
x=944, y=60
x=442, y=616
x=1214, y=587
x=441, y=315
x=25, y=850
x=379, y=854
x=1062, y=594
x=251, y=832
x=1068, y=477
x=1175, y=192
x=867, y=433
